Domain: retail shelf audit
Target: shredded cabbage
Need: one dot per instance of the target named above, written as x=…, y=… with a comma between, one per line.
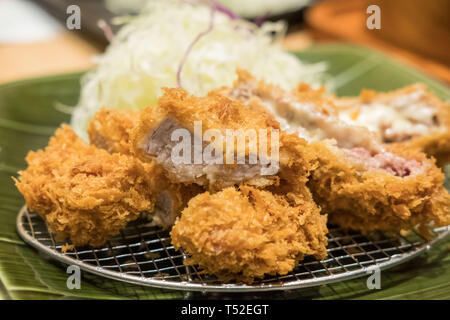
x=146, y=53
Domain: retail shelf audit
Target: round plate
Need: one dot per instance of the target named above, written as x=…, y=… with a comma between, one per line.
x=143, y=255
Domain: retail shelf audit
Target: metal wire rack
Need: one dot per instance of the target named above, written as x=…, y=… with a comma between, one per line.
x=142, y=254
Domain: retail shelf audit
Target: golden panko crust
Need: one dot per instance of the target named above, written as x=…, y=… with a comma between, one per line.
x=247, y=233
x=83, y=192
x=214, y=110
x=372, y=199
x=110, y=129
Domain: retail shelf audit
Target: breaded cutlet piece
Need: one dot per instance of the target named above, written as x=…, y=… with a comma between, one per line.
x=246, y=233
x=405, y=191
x=361, y=183
x=177, y=111
x=294, y=156
x=110, y=130
x=85, y=193
x=308, y=112
x=410, y=116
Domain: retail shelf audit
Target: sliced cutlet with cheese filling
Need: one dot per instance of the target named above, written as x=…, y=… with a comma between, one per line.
x=410, y=117
x=110, y=130
x=360, y=182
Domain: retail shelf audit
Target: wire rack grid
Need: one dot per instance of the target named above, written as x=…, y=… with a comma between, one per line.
x=143, y=254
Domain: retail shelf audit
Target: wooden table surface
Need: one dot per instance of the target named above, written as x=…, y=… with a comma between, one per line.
x=64, y=53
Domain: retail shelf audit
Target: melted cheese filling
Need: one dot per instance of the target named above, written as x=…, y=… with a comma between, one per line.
x=356, y=142
x=394, y=121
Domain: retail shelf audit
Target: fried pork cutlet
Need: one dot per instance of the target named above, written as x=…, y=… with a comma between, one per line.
x=107, y=130
x=288, y=221
x=361, y=183
x=246, y=233
x=411, y=117
x=110, y=130
x=309, y=113
x=179, y=126
x=83, y=192
x=392, y=191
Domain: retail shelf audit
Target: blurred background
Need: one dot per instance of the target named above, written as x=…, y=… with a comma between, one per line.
x=35, y=41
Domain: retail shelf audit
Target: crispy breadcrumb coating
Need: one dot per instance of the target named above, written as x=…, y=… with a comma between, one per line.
x=367, y=199
x=295, y=157
x=110, y=129
x=215, y=110
x=248, y=233
x=83, y=192
x=261, y=225
x=176, y=110
x=361, y=183
x=426, y=116
x=297, y=160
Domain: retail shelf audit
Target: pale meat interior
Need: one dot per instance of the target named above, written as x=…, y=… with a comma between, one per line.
x=159, y=144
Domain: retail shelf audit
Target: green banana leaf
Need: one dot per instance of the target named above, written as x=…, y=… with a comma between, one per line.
x=31, y=110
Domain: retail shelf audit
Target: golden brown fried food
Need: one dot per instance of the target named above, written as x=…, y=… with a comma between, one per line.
x=297, y=160
x=110, y=129
x=361, y=183
x=247, y=233
x=410, y=116
x=294, y=154
x=395, y=195
x=83, y=192
x=265, y=232
x=179, y=112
